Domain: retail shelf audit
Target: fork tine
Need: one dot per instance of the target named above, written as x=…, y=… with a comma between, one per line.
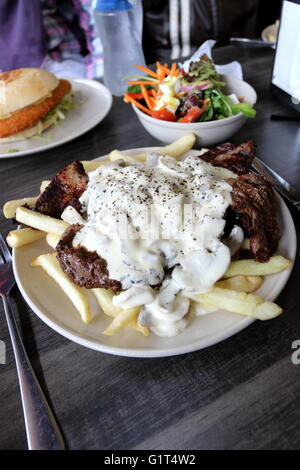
x=4, y=250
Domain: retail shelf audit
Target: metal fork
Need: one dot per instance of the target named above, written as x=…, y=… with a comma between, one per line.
x=41, y=428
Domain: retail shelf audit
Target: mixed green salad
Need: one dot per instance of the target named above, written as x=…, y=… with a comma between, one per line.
x=172, y=94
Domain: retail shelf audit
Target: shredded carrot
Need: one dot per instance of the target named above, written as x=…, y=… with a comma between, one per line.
x=207, y=100
x=142, y=82
x=152, y=92
x=158, y=67
x=153, y=102
x=128, y=99
x=153, y=97
x=166, y=69
x=146, y=97
x=161, y=71
x=173, y=69
x=148, y=71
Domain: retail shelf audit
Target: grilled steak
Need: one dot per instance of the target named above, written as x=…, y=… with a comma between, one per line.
x=237, y=158
x=64, y=190
x=84, y=268
x=254, y=202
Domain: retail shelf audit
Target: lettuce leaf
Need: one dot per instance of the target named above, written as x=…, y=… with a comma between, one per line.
x=220, y=107
x=11, y=150
x=245, y=108
x=60, y=109
x=203, y=69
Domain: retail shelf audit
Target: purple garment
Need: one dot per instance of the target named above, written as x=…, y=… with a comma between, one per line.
x=22, y=38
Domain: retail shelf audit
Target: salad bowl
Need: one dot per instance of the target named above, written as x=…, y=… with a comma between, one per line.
x=208, y=132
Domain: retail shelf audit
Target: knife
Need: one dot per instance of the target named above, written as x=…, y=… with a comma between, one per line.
x=251, y=42
x=283, y=187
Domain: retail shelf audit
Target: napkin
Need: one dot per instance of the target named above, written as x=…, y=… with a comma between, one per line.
x=232, y=68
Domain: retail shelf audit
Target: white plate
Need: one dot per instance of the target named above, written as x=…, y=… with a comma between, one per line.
x=94, y=101
x=49, y=302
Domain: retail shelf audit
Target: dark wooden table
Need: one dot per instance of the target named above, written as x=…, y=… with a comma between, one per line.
x=243, y=393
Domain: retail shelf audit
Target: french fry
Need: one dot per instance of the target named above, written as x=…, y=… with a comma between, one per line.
x=104, y=298
x=117, y=155
x=239, y=302
x=250, y=267
x=141, y=329
x=77, y=295
x=179, y=146
x=52, y=239
x=23, y=236
x=44, y=185
x=241, y=283
x=121, y=320
x=10, y=207
x=41, y=221
x=93, y=165
x=203, y=150
x=175, y=149
x=267, y=311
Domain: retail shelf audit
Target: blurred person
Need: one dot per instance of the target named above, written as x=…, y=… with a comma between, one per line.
x=73, y=44
x=58, y=35
x=22, y=35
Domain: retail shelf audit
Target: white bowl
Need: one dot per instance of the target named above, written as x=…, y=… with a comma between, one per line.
x=208, y=133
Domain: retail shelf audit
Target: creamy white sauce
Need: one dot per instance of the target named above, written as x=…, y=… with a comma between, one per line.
x=235, y=239
x=120, y=200
x=165, y=315
x=135, y=296
x=71, y=216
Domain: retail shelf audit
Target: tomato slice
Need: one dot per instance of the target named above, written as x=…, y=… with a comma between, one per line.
x=136, y=96
x=193, y=114
x=164, y=115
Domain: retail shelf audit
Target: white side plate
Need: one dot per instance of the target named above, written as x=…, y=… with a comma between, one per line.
x=94, y=102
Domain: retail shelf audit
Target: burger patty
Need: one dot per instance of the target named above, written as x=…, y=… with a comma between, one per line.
x=254, y=203
x=64, y=190
x=85, y=268
x=30, y=115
